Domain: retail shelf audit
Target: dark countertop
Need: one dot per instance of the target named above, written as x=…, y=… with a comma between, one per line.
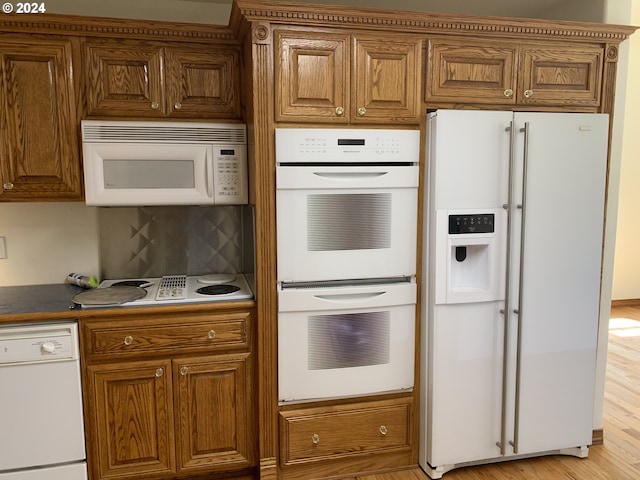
x=39, y=303
x=38, y=299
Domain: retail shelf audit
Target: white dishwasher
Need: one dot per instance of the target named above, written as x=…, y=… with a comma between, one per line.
x=41, y=423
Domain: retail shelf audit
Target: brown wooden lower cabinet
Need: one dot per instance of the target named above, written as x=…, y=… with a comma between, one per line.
x=176, y=411
x=356, y=437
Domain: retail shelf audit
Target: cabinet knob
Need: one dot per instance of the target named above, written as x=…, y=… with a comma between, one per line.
x=508, y=93
x=128, y=340
x=8, y=186
x=211, y=334
x=159, y=372
x=340, y=111
x=362, y=111
x=184, y=370
x=315, y=438
x=178, y=106
x=528, y=93
x=383, y=430
x=155, y=105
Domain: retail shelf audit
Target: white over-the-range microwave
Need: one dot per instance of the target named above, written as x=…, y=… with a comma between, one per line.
x=164, y=163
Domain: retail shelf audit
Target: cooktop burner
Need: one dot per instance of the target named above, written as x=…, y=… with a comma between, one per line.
x=217, y=289
x=183, y=288
x=129, y=283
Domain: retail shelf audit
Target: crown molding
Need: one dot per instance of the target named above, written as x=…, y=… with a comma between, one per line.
x=112, y=27
x=426, y=23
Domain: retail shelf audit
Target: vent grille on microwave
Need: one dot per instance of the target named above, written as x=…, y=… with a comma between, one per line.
x=166, y=132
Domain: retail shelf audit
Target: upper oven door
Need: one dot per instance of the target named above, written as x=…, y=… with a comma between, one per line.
x=346, y=222
x=147, y=174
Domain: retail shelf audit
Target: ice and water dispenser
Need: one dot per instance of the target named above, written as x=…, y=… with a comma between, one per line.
x=468, y=256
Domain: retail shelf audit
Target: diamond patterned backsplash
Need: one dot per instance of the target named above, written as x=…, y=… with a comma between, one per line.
x=193, y=240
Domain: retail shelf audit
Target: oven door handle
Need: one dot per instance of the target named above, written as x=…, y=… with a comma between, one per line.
x=349, y=297
x=349, y=175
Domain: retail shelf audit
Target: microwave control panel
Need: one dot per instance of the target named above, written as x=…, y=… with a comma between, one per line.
x=230, y=175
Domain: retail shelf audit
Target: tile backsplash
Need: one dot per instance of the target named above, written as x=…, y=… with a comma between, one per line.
x=192, y=240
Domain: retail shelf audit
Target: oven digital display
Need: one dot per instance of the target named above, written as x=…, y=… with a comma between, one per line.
x=351, y=142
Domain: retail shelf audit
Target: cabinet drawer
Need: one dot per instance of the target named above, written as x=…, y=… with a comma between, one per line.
x=320, y=433
x=132, y=337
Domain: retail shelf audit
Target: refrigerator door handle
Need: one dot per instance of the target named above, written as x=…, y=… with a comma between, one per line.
x=502, y=444
x=518, y=310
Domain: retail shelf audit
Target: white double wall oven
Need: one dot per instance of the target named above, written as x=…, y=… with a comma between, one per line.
x=347, y=233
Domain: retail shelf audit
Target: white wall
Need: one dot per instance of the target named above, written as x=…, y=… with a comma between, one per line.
x=626, y=279
x=616, y=11
x=47, y=241
x=578, y=10
x=197, y=11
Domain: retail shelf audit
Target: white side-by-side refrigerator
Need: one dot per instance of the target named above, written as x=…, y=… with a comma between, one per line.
x=514, y=215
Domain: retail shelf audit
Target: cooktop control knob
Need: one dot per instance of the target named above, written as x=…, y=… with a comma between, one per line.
x=48, y=347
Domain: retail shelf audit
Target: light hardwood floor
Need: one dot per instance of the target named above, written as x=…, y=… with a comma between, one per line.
x=617, y=459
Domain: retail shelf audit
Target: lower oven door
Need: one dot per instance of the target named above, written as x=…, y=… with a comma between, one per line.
x=346, y=222
x=345, y=341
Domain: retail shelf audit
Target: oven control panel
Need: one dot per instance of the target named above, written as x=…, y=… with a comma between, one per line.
x=332, y=145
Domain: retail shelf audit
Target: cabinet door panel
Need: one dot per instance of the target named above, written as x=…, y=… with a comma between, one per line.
x=131, y=407
x=202, y=84
x=39, y=151
x=213, y=412
x=124, y=79
x=561, y=76
x=311, y=74
x=386, y=80
x=464, y=73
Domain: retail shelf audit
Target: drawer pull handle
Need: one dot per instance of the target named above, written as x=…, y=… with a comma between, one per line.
x=383, y=430
x=128, y=340
x=8, y=186
x=159, y=372
x=315, y=438
x=184, y=371
x=211, y=334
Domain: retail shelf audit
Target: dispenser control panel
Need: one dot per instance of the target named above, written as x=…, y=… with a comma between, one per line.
x=476, y=223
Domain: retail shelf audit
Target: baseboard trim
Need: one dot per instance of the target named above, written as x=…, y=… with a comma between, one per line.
x=629, y=302
x=597, y=437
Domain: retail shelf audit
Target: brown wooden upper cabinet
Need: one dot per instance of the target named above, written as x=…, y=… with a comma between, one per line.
x=333, y=77
x=504, y=73
x=138, y=79
x=38, y=136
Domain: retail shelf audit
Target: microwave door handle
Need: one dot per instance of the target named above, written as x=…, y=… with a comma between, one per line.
x=208, y=172
x=349, y=176
x=349, y=297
